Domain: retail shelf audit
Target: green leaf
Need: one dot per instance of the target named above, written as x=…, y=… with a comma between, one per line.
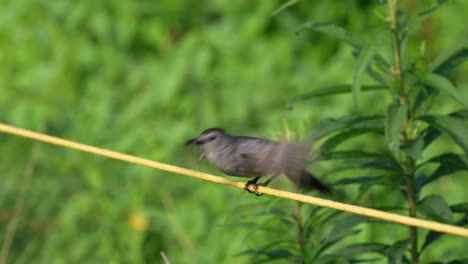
x=414, y=148
x=352, y=154
x=329, y=242
x=395, y=117
x=343, y=35
x=430, y=134
x=267, y=252
x=422, y=48
x=366, y=180
x=462, y=114
x=432, y=236
x=460, y=208
x=357, y=249
x=444, y=85
x=278, y=253
x=334, y=31
x=333, y=90
x=378, y=164
x=377, y=77
x=284, y=6
x=420, y=181
x=458, y=261
x=328, y=126
x=454, y=127
x=383, y=164
x=435, y=207
x=449, y=163
x=424, y=97
x=396, y=251
x=449, y=60
x=364, y=59
x=346, y=223
x=331, y=143
x=286, y=218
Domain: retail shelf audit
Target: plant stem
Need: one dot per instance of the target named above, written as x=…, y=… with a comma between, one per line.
x=411, y=192
x=25, y=183
x=410, y=164
x=300, y=232
x=397, y=68
x=411, y=197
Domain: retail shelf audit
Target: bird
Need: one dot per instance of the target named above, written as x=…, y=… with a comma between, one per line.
x=253, y=157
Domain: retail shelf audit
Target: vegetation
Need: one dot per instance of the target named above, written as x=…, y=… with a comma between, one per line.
x=380, y=85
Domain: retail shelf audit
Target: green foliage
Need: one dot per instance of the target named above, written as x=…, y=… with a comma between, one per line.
x=141, y=77
x=411, y=123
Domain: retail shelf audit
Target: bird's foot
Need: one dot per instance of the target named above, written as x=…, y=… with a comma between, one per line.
x=252, y=187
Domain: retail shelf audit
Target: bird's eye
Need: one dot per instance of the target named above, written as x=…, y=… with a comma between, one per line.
x=212, y=138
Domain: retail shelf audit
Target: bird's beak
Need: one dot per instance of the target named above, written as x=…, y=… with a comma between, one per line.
x=193, y=141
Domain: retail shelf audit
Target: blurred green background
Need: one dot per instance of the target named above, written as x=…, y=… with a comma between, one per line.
x=141, y=77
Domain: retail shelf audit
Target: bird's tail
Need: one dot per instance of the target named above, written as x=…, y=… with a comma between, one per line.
x=304, y=180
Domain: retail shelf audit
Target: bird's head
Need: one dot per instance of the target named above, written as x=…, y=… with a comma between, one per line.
x=208, y=138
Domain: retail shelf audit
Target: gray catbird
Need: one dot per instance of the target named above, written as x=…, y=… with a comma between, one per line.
x=256, y=157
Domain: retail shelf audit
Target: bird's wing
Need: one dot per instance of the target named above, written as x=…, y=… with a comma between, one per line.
x=250, y=151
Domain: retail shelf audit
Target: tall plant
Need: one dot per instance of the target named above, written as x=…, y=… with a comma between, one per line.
x=412, y=87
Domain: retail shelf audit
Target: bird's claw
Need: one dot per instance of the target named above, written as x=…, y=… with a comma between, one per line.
x=254, y=186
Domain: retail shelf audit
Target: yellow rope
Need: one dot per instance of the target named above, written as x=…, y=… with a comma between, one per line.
x=444, y=228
